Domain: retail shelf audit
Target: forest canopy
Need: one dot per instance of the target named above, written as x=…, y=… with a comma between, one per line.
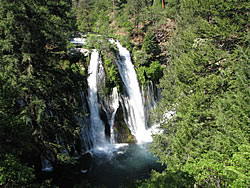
x=206, y=82
x=38, y=98
x=196, y=51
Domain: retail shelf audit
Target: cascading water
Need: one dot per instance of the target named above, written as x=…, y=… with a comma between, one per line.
x=108, y=103
x=46, y=166
x=134, y=104
x=97, y=126
x=79, y=41
x=115, y=105
x=151, y=96
x=87, y=134
x=112, y=164
x=135, y=111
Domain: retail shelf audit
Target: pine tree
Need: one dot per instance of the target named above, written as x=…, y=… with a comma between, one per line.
x=38, y=99
x=206, y=84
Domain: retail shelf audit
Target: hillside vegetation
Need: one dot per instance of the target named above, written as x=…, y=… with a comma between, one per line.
x=196, y=51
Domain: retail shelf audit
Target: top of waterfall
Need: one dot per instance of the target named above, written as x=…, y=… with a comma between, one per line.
x=78, y=41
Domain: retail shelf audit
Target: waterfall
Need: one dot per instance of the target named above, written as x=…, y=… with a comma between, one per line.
x=151, y=96
x=97, y=126
x=103, y=107
x=87, y=134
x=78, y=41
x=109, y=104
x=134, y=103
x=46, y=166
x=115, y=105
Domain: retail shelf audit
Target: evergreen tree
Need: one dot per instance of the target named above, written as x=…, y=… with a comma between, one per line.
x=150, y=45
x=206, y=84
x=38, y=99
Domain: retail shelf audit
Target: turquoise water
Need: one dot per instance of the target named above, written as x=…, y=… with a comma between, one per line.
x=123, y=165
x=110, y=167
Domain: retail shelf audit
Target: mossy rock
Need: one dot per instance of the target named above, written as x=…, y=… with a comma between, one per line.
x=121, y=130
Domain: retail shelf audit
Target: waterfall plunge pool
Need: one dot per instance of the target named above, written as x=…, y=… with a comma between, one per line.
x=114, y=164
x=111, y=166
x=125, y=164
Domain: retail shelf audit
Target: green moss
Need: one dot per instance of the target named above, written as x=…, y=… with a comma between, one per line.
x=65, y=64
x=141, y=71
x=122, y=132
x=153, y=72
x=112, y=73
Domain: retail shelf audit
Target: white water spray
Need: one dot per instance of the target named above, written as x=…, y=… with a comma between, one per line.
x=78, y=41
x=135, y=108
x=87, y=134
x=97, y=126
x=115, y=105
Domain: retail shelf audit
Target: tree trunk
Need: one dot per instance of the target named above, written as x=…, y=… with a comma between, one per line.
x=163, y=3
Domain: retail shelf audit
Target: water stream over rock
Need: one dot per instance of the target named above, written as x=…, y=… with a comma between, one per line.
x=115, y=119
x=134, y=104
x=97, y=126
x=104, y=109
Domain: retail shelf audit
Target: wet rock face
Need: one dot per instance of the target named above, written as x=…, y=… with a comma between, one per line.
x=121, y=130
x=104, y=118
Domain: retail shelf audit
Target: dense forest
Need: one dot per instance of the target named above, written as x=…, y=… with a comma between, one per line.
x=195, y=51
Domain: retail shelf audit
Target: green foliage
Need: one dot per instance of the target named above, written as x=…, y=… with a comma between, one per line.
x=112, y=74
x=93, y=15
x=65, y=158
x=206, y=83
x=148, y=67
x=141, y=71
x=136, y=10
x=238, y=169
x=140, y=57
x=125, y=41
x=38, y=98
x=153, y=72
x=162, y=180
x=124, y=22
x=108, y=52
x=134, y=15
x=150, y=45
x=100, y=43
x=13, y=173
